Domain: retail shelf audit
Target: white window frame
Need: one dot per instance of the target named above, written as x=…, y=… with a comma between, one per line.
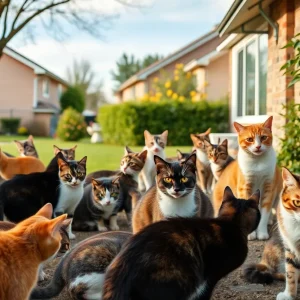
x=59, y=91
x=46, y=82
x=234, y=99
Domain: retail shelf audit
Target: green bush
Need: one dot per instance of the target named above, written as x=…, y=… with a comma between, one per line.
x=10, y=125
x=290, y=145
x=125, y=123
x=71, y=125
x=73, y=97
x=22, y=130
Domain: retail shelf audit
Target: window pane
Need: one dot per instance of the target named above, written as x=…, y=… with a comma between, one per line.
x=250, y=79
x=263, y=63
x=240, y=84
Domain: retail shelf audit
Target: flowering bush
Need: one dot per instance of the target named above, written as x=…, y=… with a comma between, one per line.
x=22, y=130
x=71, y=125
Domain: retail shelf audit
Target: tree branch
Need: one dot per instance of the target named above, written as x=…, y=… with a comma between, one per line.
x=18, y=14
x=5, y=19
x=3, y=4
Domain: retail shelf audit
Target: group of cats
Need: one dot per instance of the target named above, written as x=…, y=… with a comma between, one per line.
x=182, y=243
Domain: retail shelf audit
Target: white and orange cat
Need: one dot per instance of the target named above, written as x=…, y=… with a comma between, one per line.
x=155, y=145
x=24, y=248
x=10, y=166
x=255, y=168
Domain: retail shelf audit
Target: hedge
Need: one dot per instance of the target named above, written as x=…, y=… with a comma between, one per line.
x=124, y=124
x=10, y=125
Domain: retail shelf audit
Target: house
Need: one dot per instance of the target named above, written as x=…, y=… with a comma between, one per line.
x=29, y=92
x=200, y=57
x=255, y=33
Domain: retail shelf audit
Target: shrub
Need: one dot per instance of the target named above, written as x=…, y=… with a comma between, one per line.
x=10, y=125
x=72, y=97
x=22, y=130
x=71, y=125
x=125, y=123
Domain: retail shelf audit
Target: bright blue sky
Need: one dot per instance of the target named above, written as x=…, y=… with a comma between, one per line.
x=162, y=27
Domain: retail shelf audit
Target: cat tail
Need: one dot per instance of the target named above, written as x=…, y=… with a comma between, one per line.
x=54, y=288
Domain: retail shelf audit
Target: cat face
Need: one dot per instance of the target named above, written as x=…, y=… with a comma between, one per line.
x=69, y=154
x=255, y=139
x=156, y=143
x=217, y=154
x=183, y=156
x=26, y=148
x=245, y=212
x=174, y=179
x=132, y=163
x=291, y=193
x=106, y=191
x=198, y=139
x=71, y=173
x=65, y=240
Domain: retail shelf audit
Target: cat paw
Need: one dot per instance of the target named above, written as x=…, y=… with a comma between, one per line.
x=263, y=235
x=72, y=236
x=114, y=227
x=252, y=236
x=284, y=296
x=102, y=228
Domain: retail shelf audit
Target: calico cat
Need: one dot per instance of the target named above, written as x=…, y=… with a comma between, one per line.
x=281, y=256
x=24, y=248
x=24, y=195
x=218, y=157
x=155, y=145
x=99, y=203
x=64, y=243
x=10, y=166
x=183, y=258
x=204, y=173
x=27, y=148
x=82, y=270
x=175, y=194
x=255, y=168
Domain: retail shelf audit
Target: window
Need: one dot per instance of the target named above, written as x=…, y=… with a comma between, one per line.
x=59, y=91
x=46, y=88
x=249, y=97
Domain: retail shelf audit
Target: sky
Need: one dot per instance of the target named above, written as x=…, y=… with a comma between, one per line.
x=156, y=26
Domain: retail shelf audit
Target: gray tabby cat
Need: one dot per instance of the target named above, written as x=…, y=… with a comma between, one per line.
x=27, y=148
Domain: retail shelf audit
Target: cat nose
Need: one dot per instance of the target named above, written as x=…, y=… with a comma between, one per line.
x=176, y=189
x=107, y=202
x=258, y=147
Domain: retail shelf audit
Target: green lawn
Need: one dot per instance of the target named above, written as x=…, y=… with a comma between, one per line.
x=100, y=156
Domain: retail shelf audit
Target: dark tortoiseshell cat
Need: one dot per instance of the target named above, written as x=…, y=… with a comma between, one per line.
x=82, y=270
x=183, y=258
x=98, y=204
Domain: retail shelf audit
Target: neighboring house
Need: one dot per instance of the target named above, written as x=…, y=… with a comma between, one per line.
x=30, y=92
x=199, y=57
x=258, y=31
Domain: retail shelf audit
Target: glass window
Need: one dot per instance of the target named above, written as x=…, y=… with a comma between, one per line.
x=263, y=68
x=46, y=88
x=240, y=83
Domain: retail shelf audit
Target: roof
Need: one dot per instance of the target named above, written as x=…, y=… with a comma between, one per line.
x=38, y=69
x=46, y=107
x=143, y=74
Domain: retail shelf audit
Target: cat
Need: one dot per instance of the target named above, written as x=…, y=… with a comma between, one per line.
x=204, y=173
x=23, y=195
x=10, y=166
x=155, y=145
x=183, y=258
x=98, y=204
x=82, y=270
x=255, y=168
x=175, y=194
x=27, y=148
x=218, y=157
x=181, y=156
x=24, y=248
x=64, y=243
x=281, y=255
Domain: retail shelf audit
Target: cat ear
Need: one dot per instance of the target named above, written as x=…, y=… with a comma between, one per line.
x=194, y=138
x=127, y=150
x=164, y=135
x=192, y=159
x=30, y=139
x=74, y=148
x=46, y=211
x=61, y=161
x=160, y=163
x=179, y=155
x=207, y=144
x=228, y=194
x=19, y=145
x=268, y=123
x=96, y=182
x=224, y=143
x=147, y=134
x=255, y=197
x=207, y=132
x=238, y=127
x=143, y=155
x=55, y=224
x=56, y=149
x=83, y=161
x=288, y=178
x=66, y=224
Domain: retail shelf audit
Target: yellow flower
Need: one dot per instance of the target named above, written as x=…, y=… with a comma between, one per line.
x=158, y=95
x=168, y=84
x=169, y=93
x=188, y=75
x=176, y=78
x=179, y=66
x=176, y=72
x=181, y=98
x=203, y=96
x=155, y=79
x=193, y=93
x=175, y=96
x=194, y=99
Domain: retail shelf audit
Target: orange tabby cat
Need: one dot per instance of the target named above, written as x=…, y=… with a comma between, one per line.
x=24, y=248
x=10, y=166
x=255, y=168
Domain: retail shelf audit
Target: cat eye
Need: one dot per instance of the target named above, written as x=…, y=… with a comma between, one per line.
x=168, y=179
x=151, y=143
x=263, y=137
x=79, y=174
x=184, y=179
x=249, y=140
x=68, y=177
x=296, y=203
x=113, y=194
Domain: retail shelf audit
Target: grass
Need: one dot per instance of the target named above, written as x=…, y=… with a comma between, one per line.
x=100, y=156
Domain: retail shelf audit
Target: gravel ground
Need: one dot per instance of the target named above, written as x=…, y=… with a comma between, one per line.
x=231, y=287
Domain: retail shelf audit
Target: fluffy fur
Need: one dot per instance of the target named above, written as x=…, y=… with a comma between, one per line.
x=255, y=168
x=183, y=258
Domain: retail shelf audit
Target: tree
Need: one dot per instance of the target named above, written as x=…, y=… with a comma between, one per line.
x=54, y=15
x=127, y=66
x=73, y=97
